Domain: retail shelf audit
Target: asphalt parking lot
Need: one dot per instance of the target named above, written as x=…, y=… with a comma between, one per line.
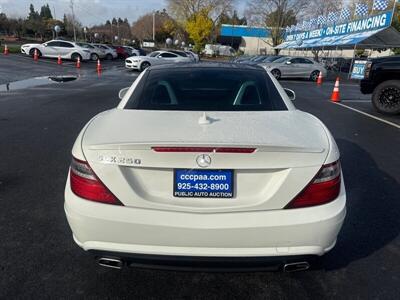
x=40, y=260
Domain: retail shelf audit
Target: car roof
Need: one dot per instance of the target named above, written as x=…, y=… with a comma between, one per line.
x=60, y=41
x=209, y=65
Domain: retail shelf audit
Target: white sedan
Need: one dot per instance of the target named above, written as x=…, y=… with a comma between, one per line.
x=55, y=48
x=208, y=165
x=110, y=53
x=295, y=67
x=155, y=58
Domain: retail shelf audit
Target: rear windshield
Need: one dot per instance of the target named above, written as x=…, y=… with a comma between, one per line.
x=206, y=89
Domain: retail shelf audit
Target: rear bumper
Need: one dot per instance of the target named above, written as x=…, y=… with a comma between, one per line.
x=204, y=263
x=279, y=233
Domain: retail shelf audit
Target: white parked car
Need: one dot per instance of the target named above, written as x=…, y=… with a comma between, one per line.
x=95, y=52
x=155, y=58
x=194, y=56
x=110, y=53
x=295, y=67
x=133, y=51
x=205, y=163
x=55, y=48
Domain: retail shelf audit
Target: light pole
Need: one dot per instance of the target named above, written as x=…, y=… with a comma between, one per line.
x=73, y=18
x=85, y=31
x=154, y=26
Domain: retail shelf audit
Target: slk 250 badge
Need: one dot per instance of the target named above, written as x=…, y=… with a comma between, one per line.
x=119, y=160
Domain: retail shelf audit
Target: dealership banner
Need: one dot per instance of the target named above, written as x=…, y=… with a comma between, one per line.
x=357, y=26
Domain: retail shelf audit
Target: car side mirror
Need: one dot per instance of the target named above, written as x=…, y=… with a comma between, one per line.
x=122, y=92
x=288, y=62
x=291, y=94
x=44, y=45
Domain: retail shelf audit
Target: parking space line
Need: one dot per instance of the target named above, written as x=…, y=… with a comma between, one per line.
x=369, y=115
x=356, y=101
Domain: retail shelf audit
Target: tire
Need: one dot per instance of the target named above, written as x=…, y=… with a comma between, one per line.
x=32, y=52
x=144, y=66
x=276, y=73
x=314, y=75
x=94, y=57
x=386, y=97
x=109, y=56
x=75, y=57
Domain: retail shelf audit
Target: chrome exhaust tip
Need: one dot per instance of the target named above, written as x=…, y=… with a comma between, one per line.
x=297, y=266
x=114, y=263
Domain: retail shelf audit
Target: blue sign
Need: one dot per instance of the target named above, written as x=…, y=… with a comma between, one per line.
x=357, y=26
x=203, y=183
x=358, y=69
x=246, y=31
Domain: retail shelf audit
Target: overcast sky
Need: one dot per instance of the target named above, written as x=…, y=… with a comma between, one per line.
x=89, y=12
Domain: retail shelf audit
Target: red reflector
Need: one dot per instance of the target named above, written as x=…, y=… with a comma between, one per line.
x=183, y=149
x=204, y=149
x=324, y=188
x=85, y=184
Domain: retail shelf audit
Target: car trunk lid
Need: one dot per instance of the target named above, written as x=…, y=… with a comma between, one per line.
x=290, y=147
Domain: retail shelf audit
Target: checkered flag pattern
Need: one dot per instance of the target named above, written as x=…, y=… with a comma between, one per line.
x=361, y=9
x=321, y=20
x=345, y=14
x=380, y=4
x=333, y=17
x=313, y=22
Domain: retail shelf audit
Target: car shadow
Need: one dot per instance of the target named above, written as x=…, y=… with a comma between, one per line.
x=372, y=219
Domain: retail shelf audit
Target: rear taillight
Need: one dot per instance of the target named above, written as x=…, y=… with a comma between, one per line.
x=85, y=184
x=324, y=188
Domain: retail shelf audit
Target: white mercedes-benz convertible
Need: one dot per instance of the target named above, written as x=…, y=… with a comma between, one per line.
x=206, y=166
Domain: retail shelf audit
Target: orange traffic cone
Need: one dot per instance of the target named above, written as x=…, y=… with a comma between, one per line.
x=336, y=94
x=98, y=66
x=59, y=61
x=6, y=50
x=319, y=80
x=78, y=63
x=35, y=55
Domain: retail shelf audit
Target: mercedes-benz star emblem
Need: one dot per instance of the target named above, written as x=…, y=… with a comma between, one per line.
x=203, y=160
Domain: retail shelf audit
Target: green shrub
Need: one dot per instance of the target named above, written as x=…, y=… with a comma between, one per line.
x=11, y=49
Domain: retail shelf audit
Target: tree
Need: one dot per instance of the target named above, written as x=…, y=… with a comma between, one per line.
x=275, y=15
x=396, y=24
x=45, y=12
x=182, y=10
x=165, y=27
x=69, y=22
x=33, y=15
x=199, y=27
x=34, y=23
x=233, y=19
x=319, y=7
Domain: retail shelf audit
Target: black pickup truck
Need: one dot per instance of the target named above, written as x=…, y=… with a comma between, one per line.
x=382, y=80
